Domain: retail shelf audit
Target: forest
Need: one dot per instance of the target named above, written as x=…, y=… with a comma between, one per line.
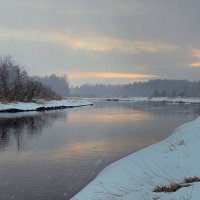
x=151, y=88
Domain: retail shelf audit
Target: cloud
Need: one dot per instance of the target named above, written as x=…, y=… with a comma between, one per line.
x=89, y=43
x=78, y=78
x=37, y=36
x=196, y=53
x=109, y=75
x=103, y=43
x=195, y=64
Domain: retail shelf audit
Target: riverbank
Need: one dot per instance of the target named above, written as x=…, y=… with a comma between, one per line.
x=177, y=100
x=47, y=105
x=166, y=170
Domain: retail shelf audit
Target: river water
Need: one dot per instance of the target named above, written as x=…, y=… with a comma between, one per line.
x=53, y=155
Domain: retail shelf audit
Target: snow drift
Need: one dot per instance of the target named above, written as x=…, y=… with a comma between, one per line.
x=137, y=176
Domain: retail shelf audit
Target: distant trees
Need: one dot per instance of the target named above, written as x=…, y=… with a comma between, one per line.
x=152, y=88
x=58, y=84
x=16, y=85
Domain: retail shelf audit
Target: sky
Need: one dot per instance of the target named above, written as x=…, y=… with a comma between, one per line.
x=103, y=41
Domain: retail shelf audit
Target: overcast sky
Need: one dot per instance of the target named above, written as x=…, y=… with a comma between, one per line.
x=103, y=41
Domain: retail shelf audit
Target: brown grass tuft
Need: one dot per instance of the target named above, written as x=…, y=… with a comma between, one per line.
x=192, y=179
x=174, y=186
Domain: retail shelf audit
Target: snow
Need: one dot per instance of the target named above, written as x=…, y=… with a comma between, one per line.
x=34, y=106
x=135, y=176
x=176, y=99
x=154, y=99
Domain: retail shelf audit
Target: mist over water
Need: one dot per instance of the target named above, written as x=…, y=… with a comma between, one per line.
x=53, y=155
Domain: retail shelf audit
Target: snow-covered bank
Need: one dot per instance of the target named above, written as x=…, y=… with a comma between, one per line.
x=176, y=99
x=154, y=99
x=48, y=105
x=136, y=176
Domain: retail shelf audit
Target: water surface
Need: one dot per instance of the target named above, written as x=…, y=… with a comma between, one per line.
x=53, y=155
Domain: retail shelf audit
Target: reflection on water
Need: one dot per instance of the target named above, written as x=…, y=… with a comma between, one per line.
x=13, y=129
x=104, y=116
x=52, y=155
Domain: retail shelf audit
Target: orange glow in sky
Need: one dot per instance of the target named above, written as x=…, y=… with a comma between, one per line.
x=196, y=53
x=109, y=75
x=197, y=64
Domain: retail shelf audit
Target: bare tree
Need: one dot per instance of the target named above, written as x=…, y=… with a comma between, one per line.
x=16, y=85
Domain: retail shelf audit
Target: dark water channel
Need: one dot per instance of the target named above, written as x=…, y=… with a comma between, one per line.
x=53, y=155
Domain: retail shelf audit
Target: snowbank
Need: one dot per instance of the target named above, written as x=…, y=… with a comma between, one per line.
x=176, y=100
x=137, y=175
x=20, y=106
x=154, y=99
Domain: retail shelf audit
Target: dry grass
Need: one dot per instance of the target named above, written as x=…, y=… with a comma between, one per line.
x=192, y=179
x=181, y=142
x=174, y=186
x=173, y=145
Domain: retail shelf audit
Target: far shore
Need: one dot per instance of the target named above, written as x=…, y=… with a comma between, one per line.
x=175, y=100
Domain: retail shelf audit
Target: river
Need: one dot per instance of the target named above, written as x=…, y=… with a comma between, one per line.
x=53, y=155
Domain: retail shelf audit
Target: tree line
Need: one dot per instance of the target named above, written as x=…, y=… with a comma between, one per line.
x=151, y=88
x=17, y=85
x=58, y=84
